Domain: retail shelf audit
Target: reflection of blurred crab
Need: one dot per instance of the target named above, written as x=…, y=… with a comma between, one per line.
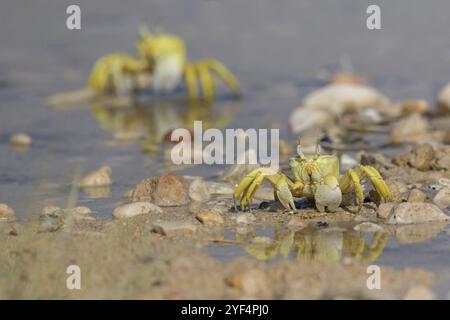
x=154, y=121
x=315, y=177
x=163, y=58
x=320, y=245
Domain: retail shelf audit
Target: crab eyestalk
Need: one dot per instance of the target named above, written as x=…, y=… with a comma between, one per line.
x=300, y=152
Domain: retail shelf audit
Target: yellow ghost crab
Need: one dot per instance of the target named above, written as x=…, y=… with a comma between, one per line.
x=162, y=57
x=316, y=177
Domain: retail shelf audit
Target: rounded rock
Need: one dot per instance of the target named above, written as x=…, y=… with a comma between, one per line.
x=97, y=178
x=165, y=190
x=442, y=198
x=212, y=216
x=20, y=140
x=198, y=191
x=134, y=209
x=6, y=213
x=415, y=195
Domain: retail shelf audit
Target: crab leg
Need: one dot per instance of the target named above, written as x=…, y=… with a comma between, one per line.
x=191, y=82
x=206, y=80
x=349, y=182
x=225, y=74
x=352, y=181
x=247, y=187
x=377, y=181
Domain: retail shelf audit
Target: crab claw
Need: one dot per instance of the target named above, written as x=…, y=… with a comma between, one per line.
x=284, y=195
x=328, y=195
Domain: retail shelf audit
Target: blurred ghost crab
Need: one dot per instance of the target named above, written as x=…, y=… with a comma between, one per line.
x=162, y=61
x=316, y=177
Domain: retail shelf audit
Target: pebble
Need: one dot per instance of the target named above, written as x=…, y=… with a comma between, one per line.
x=343, y=97
x=80, y=213
x=420, y=157
x=419, y=293
x=6, y=213
x=97, y=178
x=134, y=209
x=415, y=195
x=245, y=218
x=212, y=216
x=414, y=106
x=50, y=222
x=198, y=191
x=220, y=188
x=442, y=198
x=50, y=210
x=20, y=140
x=409, y=128
x=253, y=283
x=165, y=190
x=442, y=158
x=174, y=228
x=302, y=119
x=410, y=212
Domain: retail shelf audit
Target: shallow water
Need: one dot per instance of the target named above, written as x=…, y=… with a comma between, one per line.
x=278, y=51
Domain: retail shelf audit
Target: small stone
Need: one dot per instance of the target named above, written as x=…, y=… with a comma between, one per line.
x=297, y=223
x=50, y=222
x=406, y=129
x=135, y=209
x=415, y=195
x=198, y=191
x=212, y=216
x=442, y=158
x=20, y=140
x=303, y=119
x=80, y=213
x=419, y=293
x=385, y=209
x=422, y=157
x=414, y=106
x=442, y=198
x=174, y=228
x=164, y=190
x=412, y=212
x=83, y=211
x=253, y=283
x=245, y=218
x=368, y=227
x=220, y=188
x=99, y=177
x=49, y=210
x=6, y=213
